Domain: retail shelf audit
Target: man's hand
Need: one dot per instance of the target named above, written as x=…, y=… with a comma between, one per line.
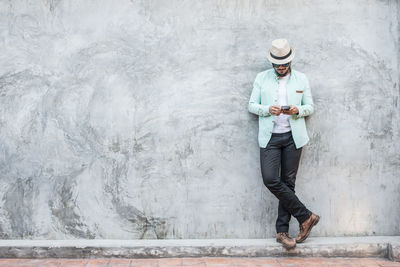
x=275, y=110
x=292, y=111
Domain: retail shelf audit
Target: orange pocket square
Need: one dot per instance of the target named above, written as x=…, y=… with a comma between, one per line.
x=298, y=91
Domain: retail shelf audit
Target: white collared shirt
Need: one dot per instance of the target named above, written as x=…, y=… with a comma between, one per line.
x=282, y=124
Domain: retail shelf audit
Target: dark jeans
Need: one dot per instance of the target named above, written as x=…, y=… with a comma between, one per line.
x=281, y=153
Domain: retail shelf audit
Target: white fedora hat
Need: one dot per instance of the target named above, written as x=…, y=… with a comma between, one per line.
x=280, y=52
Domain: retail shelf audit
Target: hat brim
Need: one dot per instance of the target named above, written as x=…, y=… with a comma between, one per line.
x=280, y=61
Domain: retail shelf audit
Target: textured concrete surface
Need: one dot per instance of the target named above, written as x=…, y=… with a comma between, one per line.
x=201, y=262
x=394, y=250
x=128, y=119
x=313, y=247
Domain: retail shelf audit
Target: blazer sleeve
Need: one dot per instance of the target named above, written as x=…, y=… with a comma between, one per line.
x=307, y=105
x=255, y=101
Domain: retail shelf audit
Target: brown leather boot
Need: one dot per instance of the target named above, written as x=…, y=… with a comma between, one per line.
x=285, y=240
x=305, y=227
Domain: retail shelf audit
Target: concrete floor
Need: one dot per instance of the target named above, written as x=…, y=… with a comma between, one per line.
x=201, y=262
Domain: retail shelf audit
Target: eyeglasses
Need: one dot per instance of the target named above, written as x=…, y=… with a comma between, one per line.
x=280, y=65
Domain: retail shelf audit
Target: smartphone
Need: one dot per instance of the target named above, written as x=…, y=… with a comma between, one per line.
x=285, y=107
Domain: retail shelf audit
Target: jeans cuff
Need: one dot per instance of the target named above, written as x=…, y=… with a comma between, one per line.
x=305, y=217
x=282, y=230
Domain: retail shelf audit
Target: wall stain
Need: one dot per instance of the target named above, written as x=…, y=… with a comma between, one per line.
x=18, y=204
x=64, y=208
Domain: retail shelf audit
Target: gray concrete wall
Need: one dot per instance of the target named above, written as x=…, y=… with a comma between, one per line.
x=128, y=119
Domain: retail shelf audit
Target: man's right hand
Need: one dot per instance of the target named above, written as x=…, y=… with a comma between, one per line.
x=275, y=110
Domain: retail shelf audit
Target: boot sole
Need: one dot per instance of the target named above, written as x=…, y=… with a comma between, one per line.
x=309, y=230
x=286, y=246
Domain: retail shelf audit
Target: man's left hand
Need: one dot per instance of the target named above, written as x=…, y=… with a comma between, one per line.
x=292, y=111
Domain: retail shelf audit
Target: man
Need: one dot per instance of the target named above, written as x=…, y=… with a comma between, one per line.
x=282, y=134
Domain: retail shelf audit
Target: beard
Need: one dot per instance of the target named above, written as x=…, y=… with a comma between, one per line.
x=283, y=74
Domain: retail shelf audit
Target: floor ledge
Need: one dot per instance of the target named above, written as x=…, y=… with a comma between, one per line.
x=370, y=246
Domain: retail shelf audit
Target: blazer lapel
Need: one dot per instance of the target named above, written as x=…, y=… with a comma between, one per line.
x=291, y=90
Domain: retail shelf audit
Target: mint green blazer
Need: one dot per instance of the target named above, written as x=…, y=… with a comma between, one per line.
x=265, y=94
